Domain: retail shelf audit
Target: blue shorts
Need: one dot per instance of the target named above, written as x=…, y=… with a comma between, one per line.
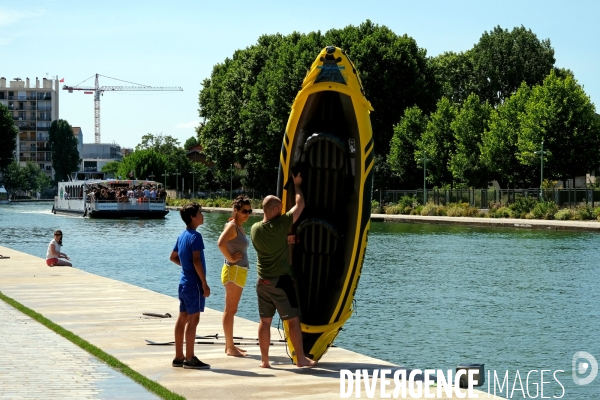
x=191, y=298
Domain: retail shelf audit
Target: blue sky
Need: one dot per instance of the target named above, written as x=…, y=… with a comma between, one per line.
x=176, y=43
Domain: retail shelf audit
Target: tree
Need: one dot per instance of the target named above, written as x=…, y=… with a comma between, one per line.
x=8, y=137
x=246, y=102
x=191, y=142
x=142, y=163
x=502, y=60
x=65, y=156
x=499, y=142
x=164, y=144
x=25, y=178
x=471, y=121
x=111, y=168
x=403, y=145
x=454, y=72
x=562, y=115
x=13, y=178
x=438, y=143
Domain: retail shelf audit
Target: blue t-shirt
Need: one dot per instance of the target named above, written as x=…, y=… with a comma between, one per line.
x=188, y=242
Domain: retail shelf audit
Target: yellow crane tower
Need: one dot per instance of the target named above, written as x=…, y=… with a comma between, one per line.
x=98, y=91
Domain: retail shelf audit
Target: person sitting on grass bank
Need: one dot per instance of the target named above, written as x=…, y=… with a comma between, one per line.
x=275, y=287
x=53, y=254
x=193, y=289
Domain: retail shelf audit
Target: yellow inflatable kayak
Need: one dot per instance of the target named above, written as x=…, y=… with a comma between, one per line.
x=330, y=141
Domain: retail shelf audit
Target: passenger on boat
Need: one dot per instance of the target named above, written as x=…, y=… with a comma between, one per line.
x=233, y=243
x=53, y=254
x=152, y=193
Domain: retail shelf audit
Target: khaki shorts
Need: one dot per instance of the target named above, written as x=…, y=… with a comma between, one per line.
x=277, y=294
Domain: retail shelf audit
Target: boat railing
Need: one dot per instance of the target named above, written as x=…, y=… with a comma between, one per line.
x=129, y=205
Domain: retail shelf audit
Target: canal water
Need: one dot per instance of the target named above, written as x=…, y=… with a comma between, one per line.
x=430, y=296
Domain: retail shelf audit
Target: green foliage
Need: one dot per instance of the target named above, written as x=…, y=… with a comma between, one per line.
x=564, y=214
x=65, y=156
x=163, y=144
x=401, y=158
x=502, y=60
x=461, y=210
x=455, y=73
x=431, y=209
x=407, y=201
x=500, y=142
x=501, y=212
x=522, y=206
x=139, y=164
x=375, y=207
x=559, y=113
x=247, y=99
x=596, y=213
x=25, y=178
x=438, y=143
x=191, y=142
x=468, y=127
x=111, y=168
x=543, y=210
x=8, y=137
x=583, y=213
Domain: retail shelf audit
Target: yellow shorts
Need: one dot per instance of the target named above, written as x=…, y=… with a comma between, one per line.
x=235, y=274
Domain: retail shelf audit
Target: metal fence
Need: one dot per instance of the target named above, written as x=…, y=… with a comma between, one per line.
x=483, y=198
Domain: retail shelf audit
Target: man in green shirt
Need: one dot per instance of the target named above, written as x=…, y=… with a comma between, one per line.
x=275, y=287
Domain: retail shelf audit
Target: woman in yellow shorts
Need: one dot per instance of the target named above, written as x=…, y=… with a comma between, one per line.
x=233, y=243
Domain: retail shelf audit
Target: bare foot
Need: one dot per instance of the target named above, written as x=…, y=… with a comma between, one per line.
x=235, y=352
x=265, y=364
x=241, y=350
x=307, y=363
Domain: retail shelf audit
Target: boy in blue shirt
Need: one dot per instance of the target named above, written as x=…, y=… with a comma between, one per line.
x=193, y=289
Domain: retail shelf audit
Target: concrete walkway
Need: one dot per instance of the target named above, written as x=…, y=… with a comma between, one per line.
x=108, y=314
x=593, y=226
x=37, y=363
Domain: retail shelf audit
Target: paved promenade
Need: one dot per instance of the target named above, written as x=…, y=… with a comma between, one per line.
x=593, y=226
x=36, y=363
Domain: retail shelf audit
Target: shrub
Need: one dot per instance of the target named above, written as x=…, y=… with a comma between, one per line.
x=407, y=201
x=583, y=213
x=596, y=212
x=375, y=207
x=461, y=210
x=523, y=205
x=393, y=209
x=564, y=214
x=429, y=209
x=417, y=210
x=543, y=210
x=501, y=212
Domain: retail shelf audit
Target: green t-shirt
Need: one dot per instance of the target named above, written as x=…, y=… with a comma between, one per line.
x=270, y=242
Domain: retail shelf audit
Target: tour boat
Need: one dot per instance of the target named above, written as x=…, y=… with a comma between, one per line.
x=329, y=140
x=74, y=197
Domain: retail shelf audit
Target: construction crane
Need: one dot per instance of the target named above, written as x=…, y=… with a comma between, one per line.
x=98, y=91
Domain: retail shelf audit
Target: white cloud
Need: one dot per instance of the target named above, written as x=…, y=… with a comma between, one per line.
x=187, y=125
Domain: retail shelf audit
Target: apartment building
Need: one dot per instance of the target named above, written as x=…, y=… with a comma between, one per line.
x=34, y=107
